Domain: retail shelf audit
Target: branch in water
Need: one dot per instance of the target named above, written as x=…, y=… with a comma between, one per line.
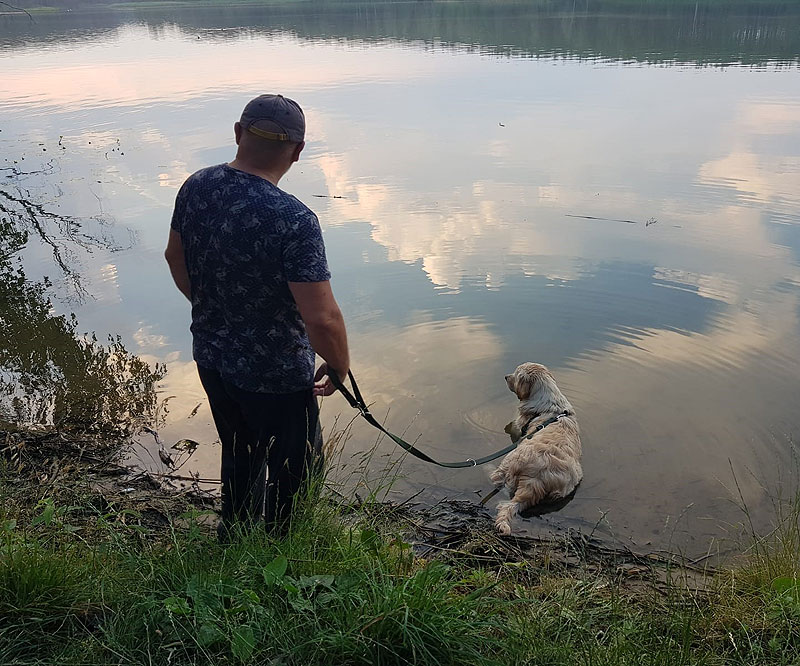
x=19, y=9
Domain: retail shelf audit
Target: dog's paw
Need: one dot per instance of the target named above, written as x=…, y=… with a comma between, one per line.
x=503, y=527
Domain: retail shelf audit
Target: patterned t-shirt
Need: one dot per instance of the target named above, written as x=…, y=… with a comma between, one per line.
x=244, y=240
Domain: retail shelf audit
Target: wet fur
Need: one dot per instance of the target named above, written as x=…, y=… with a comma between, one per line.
x=546, y=466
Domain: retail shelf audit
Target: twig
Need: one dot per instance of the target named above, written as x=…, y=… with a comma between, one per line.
x=414, y=496
x=178, y=477
x=431, y=546
x=605, y=219
x=19, y=9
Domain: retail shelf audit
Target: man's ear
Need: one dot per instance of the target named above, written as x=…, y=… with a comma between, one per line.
x=297, y=150
x=237, y=131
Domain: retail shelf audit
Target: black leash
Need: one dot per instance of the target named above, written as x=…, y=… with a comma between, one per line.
x=357, y=401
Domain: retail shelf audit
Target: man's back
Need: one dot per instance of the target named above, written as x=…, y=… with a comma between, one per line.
x=251, y=260
x=244, y=240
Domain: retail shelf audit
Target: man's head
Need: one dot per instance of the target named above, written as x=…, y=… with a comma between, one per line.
x=271, y=132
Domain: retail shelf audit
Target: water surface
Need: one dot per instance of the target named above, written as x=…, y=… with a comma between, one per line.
x=614, y=194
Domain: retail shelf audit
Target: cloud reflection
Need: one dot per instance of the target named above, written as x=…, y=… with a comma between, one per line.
x=458, y=249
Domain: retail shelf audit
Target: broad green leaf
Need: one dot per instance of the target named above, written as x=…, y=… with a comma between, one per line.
x=300, y=604
x=46, y=516
x=177, y=606
x=194, y=586
x=290, y=585
x=208, y=634
x=324, y=598
x=243, y=643
x=370, y=540
x=315, y=581
x=348, y=580
x=784, y=584
x=275, y=570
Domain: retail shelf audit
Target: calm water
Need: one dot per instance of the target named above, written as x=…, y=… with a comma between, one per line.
x=615, y=195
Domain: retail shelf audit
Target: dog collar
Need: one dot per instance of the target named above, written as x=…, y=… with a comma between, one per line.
x=541, y=426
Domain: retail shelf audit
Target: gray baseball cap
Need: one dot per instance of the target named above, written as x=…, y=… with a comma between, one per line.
x=274, y=117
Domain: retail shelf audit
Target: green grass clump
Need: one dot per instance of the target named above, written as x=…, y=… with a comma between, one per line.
x=758, y=601
x=328, y=592
x=343, y=587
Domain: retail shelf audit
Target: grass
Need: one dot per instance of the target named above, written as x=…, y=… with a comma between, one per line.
x=326, y=593
x=85, y=582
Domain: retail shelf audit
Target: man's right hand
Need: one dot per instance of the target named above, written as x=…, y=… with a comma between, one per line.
x=322, y=381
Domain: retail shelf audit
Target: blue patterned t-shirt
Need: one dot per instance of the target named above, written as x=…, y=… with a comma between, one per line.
x=244, y=240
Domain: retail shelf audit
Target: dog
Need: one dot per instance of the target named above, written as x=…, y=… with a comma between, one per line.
x=546, y=464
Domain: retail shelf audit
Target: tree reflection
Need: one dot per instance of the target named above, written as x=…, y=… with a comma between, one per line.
x=703, y=32
x=63, y=234
x=48, y=373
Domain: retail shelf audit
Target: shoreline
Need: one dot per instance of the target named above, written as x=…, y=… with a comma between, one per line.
x=67, y=499
x=58, y=461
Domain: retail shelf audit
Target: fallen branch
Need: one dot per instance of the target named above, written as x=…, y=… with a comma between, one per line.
x=18, y=9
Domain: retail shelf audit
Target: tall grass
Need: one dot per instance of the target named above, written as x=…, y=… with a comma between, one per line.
x=336, y=589
x=344, y=587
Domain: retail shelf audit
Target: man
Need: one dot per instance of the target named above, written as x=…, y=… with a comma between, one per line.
x=251, y=260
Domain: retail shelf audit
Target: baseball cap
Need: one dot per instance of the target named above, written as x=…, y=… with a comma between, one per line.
x=274, y=117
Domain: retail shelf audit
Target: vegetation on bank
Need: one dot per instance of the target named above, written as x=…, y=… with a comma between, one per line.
x=708, y=32
x=88, y=576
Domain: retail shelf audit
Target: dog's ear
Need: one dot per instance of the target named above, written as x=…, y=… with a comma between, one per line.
x=510, y=382
x=523, y=386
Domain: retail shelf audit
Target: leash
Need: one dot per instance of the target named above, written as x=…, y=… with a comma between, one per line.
x=357, y=402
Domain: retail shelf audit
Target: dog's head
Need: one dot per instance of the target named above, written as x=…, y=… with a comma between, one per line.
x=527, y=379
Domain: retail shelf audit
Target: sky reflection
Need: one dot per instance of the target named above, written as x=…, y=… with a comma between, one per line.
x=634, y=228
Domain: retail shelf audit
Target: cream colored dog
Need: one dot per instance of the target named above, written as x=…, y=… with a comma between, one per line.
x=546, y=464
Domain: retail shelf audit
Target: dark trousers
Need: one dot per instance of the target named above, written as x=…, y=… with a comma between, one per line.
x=269, y=444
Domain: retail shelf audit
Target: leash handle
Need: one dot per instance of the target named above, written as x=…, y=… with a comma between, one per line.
x=356, y=401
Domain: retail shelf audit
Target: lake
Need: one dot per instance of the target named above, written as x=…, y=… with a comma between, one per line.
x=609, y=188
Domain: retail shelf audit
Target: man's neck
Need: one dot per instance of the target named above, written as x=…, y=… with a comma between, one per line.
x=272, y=174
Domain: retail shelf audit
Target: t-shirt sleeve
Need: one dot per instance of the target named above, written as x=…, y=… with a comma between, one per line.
x=179, y=212
x=304, y=257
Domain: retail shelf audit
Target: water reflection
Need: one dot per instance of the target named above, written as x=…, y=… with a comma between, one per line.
x=634, y=228
x=49, y=373
x=740, y=32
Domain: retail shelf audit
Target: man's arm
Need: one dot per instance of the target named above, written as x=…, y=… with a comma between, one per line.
x=325, y=328
x=177, y=263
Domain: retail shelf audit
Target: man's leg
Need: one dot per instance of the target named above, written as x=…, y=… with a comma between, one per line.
x=237, y=440
x=274, y=434
x=285, y=423
x=291, y=457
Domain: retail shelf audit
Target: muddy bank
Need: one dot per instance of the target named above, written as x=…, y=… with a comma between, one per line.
x=84, y=477
x=84, y=474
